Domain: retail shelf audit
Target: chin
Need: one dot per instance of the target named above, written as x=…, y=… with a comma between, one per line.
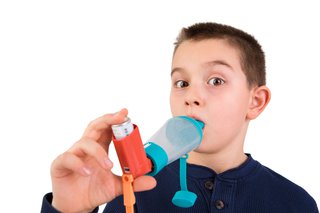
x=206, y=147
x=202, y=148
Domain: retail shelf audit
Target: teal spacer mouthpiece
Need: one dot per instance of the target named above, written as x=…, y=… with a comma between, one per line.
x=198, y=124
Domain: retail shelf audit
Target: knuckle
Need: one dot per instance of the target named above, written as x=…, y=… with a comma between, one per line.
x=64, y=157
x=91, y=124
x=86, y=146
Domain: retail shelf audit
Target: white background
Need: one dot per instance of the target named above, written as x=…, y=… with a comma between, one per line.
x=64, y=63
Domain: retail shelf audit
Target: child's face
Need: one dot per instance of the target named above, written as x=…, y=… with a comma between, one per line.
x=208, y=84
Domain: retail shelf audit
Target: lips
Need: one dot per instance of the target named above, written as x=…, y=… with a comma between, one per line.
x=196, y=118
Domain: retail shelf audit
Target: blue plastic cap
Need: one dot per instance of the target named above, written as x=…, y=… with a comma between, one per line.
x=184, y=199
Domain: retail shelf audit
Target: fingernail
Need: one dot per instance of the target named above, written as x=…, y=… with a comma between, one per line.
x=86, y=171
x=115, y=114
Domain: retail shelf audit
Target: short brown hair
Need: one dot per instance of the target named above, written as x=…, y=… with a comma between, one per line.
x=251, y=54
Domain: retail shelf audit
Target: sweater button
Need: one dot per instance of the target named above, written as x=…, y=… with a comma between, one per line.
x=219, y=204
x=208, y=184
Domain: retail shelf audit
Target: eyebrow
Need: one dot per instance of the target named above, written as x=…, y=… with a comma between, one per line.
x=177, y=69
x=207, y=64
x=219, y=62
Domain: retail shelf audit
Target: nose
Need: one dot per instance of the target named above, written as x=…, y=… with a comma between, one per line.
x=194, y=97
x=190, y=102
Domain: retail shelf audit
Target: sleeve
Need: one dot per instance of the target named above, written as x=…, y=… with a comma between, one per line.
x=315, y=209
x=48, y=208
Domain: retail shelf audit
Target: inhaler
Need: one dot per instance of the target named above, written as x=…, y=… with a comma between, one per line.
x=175, y=139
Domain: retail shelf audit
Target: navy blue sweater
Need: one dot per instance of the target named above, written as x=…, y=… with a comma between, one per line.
x=251, y=187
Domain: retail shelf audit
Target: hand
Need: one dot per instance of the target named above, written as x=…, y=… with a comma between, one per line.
x=82, y=177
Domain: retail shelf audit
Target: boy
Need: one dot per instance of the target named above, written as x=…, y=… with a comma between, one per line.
x=218, y=77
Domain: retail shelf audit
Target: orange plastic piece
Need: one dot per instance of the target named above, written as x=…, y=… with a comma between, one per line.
x=132, y=156
x=128, y=195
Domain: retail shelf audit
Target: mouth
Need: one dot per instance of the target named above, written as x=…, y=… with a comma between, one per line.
x=196, y=118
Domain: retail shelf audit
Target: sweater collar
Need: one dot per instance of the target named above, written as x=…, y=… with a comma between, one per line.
x=242, y=171
x=198, y=171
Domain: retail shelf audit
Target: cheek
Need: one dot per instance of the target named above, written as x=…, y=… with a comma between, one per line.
x=230, y=111
x=177, y=103
x=173, y=103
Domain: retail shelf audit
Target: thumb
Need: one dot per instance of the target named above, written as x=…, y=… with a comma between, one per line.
x=144, y=183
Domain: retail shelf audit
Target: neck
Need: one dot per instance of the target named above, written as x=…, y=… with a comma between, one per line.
x=218, y=162
x=224, y=157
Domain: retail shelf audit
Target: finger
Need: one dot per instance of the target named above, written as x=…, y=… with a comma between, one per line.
x=67, y=163
x=90, y=149
x=144, y=183
x=107, y=120
x=101, y=124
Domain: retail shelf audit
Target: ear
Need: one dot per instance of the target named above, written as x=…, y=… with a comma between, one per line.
x=260, y=98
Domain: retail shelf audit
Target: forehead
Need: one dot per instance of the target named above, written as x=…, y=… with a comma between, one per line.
x=198, y=53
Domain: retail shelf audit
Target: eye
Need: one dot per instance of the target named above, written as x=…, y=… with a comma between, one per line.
x=181, y=84
x=216, y=81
